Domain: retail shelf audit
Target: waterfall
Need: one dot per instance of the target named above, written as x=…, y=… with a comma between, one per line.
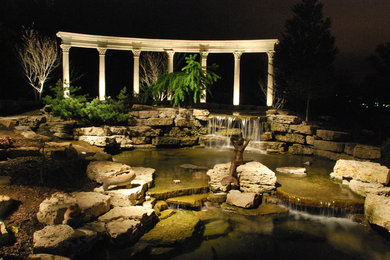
x=222, y=127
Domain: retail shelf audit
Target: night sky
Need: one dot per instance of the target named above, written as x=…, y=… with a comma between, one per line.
x=358, y=25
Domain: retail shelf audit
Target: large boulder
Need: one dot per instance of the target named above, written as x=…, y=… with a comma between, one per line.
x=63, y=240
x=127, y=197
x=377, y=210
x=92, y=204
x=51, y=211
x=216, y=175
x=99, y=170
x=243, y=200
x=362, y=171
x=256, y=177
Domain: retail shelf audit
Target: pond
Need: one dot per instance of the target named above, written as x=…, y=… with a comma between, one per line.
x=298, y=235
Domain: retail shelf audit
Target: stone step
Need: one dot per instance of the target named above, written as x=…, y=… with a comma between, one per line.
x=192, y=201
x=336, y=207
x=163, y=194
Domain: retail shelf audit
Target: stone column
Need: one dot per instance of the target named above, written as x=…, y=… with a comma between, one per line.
x=136, y=54
x=171, y=54
x=203, y=63
x=270, y=79
x=236, y=86
x=102, y=73
x=65, y=69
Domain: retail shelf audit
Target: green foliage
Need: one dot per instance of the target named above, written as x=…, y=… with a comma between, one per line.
x=95, y=112
x=304, y=57
x=186, y=86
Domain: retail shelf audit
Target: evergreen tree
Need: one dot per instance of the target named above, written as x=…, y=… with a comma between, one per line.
x=377, y=85
x=304, y=57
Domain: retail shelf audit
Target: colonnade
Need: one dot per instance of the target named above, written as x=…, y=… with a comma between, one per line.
x=136, y=46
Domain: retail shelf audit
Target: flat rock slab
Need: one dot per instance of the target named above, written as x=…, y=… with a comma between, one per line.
x=124, y=231
x=145, y=215
x=216, y=228
x=47, y=257
x=193, y=167
x=298, y=171
x=162, y=194
x=193, y=201
x=99, y=170
x=176, y=229
x=126, y=197
x=263, y=210
x=145, y=174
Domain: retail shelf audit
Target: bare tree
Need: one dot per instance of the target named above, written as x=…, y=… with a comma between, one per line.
x=278, y=100
x=152, y=66
x=38, y=56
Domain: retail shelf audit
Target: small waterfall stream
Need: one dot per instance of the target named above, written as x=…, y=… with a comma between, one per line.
x=222, y=127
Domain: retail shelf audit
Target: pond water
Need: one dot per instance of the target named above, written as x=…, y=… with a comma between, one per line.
x=298, y=235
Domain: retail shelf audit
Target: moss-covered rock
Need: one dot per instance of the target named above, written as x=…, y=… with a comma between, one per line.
x=176, y=229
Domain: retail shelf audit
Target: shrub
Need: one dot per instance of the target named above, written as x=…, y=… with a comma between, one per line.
x=186, y=86
x=93, y=113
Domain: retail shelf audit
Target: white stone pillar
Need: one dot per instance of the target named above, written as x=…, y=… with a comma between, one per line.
x=102, y=73
x=171, y=54
x=136, y=54
x=65, y=69
x=270, y=79
x=236, y=86
x=203, y=63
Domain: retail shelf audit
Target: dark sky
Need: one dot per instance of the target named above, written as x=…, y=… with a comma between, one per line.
x=358, y=25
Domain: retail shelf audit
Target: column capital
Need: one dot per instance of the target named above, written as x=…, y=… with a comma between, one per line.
x=136, y=52
x=204, y=53
x=237, y=54
x=270, y=54
x=101, y=50
x=170, y=53
x=65, y=47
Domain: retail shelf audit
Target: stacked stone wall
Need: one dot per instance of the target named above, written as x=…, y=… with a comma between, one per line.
x=305, y=139
x=150, y=127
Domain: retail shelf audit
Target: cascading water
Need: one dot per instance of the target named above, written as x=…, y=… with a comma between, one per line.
x=222, y=127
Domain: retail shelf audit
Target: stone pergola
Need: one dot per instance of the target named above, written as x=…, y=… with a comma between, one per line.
x=137, y=45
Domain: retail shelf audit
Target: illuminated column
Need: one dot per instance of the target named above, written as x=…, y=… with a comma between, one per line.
x=203, y=63
x=102, y=73
x=236, y=86
x=270, y=79
x=136, y=54
x=170, y=54
x=65, y=69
